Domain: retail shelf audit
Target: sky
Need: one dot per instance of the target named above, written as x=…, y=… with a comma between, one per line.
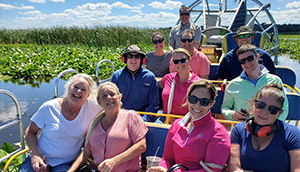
x=24, y=14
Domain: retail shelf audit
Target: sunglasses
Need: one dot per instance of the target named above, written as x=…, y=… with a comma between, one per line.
x=273, y=110
x=136, y=56
x=157, y=41
x=184, y=14
x=203, y=101
x=188, y=40
x=244, y=36
x=183, y=60
x=249, y=59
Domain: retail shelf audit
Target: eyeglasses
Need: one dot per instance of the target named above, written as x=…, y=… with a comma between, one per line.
x=157, y=41
x=136, y=56
x=273, y=110
x=188, y=40
x=244, y=36
x=203, y=101
x=183, y=60
x=249, y=59
x=184, y=14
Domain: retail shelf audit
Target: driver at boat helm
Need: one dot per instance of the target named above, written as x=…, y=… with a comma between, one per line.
x=185, y=23
x=137, y=84
x=230, y=66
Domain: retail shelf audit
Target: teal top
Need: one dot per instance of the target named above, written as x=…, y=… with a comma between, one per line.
x=239, y=92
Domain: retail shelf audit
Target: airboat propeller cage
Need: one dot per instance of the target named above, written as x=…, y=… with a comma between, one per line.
x=220, y=16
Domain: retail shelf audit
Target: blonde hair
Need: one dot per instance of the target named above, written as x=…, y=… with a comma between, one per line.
x=110, y=84
x=182, y=50
x=88, y=78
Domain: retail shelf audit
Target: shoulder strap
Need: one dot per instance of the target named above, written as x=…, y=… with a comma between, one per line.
x=170, y=101
x=92, y=126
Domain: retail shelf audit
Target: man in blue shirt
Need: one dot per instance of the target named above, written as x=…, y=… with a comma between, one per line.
x=230, y=67
x=137, y=84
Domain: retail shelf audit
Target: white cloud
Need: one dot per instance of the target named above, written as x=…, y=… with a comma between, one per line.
x=136, y=11
x=35, y=12
x=93, y=7
x=10, y=7
x=38, y=1
x=58, y=1
x=170, y=5
x=294, y=4
x=286, y=16
x=125, y=6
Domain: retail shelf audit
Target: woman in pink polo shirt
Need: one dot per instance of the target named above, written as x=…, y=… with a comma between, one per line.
x=183, y=78
x=118, y=139
x=196, y=141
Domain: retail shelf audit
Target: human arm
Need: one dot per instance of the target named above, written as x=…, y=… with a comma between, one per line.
x=37, y=159
x=295, y=160
x=234, y=163
x=153, y=96
x=227, y=105
x=135, y=150
x=80, y=160
x=204, y=76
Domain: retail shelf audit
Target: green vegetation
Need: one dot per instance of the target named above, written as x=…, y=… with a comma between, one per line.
x=38, y=55
x=7, y=148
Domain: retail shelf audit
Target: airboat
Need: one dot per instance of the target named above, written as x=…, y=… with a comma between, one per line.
x=218, y=18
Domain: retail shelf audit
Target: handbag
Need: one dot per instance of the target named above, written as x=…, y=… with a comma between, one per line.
x=176, y=166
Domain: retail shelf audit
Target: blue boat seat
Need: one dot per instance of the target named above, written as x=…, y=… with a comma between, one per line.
x=213, y=70
x=229, y=44
x=216, y=109
x=203, y=39
x=286, y=74
x=156, y=136
x=294, y=107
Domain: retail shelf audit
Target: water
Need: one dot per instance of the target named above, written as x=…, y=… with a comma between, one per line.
x=31, y=99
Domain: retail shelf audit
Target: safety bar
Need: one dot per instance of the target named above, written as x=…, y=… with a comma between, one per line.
x=97, y=68
x=13, y=157
x=59, y=76
x=17, y=121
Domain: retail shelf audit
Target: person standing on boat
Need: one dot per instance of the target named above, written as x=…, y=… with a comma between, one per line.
x=62, y=124
x=199, y=63
x=185, y=23
x=196, y=141
x=137, y=84
x=118, y=138
x=183, y=78
x=230, y=67
x=157, y=61
x=264, y=143
x=243, y=88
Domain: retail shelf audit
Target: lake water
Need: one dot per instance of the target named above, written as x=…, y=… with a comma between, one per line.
x=31, y=99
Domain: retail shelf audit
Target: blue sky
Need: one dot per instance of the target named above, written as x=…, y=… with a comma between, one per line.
x=22, y=14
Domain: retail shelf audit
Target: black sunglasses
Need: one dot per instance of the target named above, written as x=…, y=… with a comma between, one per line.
x=184, y=14
x=273, y=110
x=203, y=101
x=131, y=56
x=157, y=41
x=188, y=40
x=244, y=36
x=249, y=59
x=183, y=60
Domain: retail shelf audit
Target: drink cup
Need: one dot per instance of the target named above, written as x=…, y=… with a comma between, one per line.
x=152, y=161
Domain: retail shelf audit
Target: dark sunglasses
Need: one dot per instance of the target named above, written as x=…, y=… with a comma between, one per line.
x=203, y=101
x=249, y=59
x=188, y=40
x=273, y=110
x=136, y=56
x=244, y=36
x=157, y=41
x=183, y=60
x=184, y=14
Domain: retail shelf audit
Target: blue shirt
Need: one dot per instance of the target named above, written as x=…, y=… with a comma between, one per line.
x=139, y=92
x=263, y=71
x=231, y=68
x=275, y=157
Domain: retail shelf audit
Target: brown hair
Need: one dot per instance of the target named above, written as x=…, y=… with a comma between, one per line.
x=182, y=8
x=182, y=50
x=245, y=48
x=275, y=90
x=157, y=33
x=187, y=31
x=202, y=83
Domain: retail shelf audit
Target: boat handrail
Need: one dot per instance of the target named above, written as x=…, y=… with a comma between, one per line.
x=59, y=76
x=97, y=68
x=13, y=157
x=17, y=121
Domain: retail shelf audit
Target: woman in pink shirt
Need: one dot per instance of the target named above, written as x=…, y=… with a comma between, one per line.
x=183, y=78
x=196, y=141
x=118, y=139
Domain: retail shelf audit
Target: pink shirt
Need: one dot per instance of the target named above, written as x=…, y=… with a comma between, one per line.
x=179, y=97
x=207, y=141
x=199, y=63
x=127, y=130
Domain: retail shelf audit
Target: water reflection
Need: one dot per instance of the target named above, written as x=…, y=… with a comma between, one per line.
x=31, y=98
